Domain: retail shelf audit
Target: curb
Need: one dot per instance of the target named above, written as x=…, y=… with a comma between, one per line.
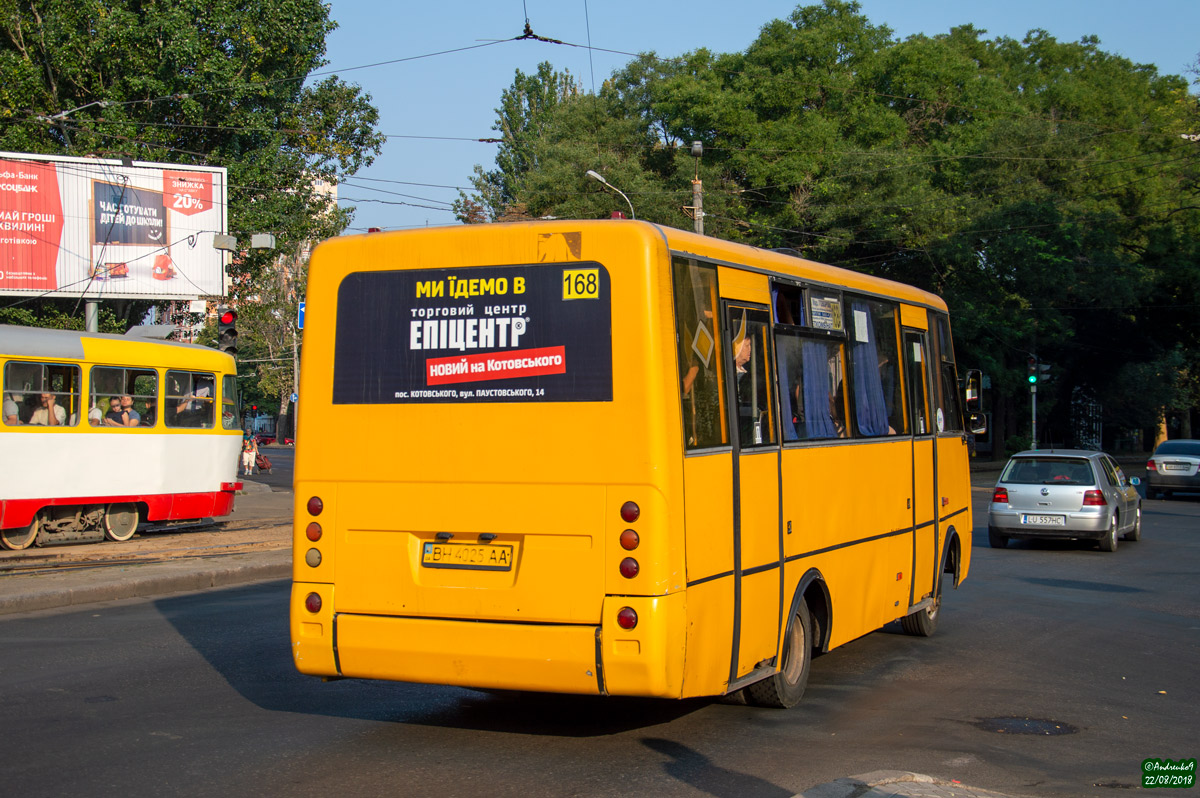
x=887, y=783
x=150, y=580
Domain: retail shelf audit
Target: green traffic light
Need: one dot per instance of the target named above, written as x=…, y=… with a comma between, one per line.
x=1032, y=379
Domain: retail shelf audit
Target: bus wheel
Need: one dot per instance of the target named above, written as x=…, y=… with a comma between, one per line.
x=20, y=537
x=923, y=623
x=120, y=522
x=785, y=688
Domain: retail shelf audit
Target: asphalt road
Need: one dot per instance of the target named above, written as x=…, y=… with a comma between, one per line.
x=196, y=695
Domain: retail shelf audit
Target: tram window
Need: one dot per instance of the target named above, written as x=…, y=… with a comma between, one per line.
x=812, y=373
x=190, y=399
x=135, y=392
x=878, y=406
x=41, y=394
x=698, y=337
x=229, y=402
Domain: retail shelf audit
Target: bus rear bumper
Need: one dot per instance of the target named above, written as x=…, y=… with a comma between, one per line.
x=553, y=658
x=506, y=656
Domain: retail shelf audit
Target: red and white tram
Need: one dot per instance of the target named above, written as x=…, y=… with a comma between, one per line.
x=100, y=432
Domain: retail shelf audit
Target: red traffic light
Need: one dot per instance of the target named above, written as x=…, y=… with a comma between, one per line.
x=228, y=316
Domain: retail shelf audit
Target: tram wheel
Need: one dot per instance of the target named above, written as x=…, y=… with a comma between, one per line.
x=120, y=521
x=21, y=537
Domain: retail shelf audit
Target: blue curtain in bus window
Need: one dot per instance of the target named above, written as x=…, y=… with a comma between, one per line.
x=870, y=402
x=783, y=354
x=817, y=421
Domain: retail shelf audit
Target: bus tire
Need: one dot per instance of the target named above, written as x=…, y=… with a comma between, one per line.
x=785, y=688
x=120, y=522
x=21, y=537
x=923, y=623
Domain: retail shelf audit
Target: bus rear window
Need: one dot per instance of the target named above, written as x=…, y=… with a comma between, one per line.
x=506, y=334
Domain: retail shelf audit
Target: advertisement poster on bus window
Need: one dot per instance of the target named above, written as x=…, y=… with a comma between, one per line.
x=106, y=229
x=539, y=333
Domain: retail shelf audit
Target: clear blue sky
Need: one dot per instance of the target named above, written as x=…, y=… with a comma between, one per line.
x=424, y=101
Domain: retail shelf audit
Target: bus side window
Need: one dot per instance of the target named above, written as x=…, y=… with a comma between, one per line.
x=812, y=373
x=698, y=338
x=878, y=409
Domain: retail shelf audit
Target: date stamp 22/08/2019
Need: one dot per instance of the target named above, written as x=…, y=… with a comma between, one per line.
x=1168, y=773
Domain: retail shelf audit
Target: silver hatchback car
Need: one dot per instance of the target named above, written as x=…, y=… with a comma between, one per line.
x=1067, y=493
x=1175, y=465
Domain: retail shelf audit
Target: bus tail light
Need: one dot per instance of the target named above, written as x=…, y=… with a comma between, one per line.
x=629, y=568
x=630, y=512
x=627, y=618
x=1000, y=496
x=315, y=505
x=313, y=532
x=1093, y=498
x=630, y=540
x=312, y=603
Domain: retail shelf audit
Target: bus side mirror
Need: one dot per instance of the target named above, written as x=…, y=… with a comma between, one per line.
x=977, y=423
x=974, y=391
x=976, y=420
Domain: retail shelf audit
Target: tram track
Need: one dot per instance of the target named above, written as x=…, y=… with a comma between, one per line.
x=202, y=540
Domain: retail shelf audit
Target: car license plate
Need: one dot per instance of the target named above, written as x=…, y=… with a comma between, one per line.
x=1044, y=520
x=468, y=556
x=1176, y=467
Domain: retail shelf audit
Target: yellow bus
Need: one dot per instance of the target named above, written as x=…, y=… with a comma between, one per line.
x=615, y=458
x=100, y=432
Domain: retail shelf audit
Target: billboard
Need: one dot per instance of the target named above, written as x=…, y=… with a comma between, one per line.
x=104, y=229
x=531, y=333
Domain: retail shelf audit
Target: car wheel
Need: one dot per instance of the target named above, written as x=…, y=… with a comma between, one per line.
x=996, y=540
x=1109, y=541
x=785, y=688
x=1135, y=534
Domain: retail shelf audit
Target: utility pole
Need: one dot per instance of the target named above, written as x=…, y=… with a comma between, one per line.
x=698, y=189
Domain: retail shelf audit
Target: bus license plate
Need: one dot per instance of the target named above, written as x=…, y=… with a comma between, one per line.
x=1044, y=520
x=468, y=556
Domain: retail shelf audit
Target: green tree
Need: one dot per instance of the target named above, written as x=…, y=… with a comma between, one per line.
x=1046, y=189
x=216, y=82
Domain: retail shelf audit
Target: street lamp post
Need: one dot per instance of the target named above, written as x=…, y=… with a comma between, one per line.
x=596, y=176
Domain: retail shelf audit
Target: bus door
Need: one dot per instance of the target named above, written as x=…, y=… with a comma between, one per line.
x=953, y=477
x=917, y=379
x=758, y=542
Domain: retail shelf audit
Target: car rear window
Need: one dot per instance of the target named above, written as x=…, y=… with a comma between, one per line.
x=1179, y=447
x=1048, y=471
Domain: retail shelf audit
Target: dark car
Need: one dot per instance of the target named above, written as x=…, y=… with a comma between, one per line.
x=1071, y=493
x=1175, y=465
